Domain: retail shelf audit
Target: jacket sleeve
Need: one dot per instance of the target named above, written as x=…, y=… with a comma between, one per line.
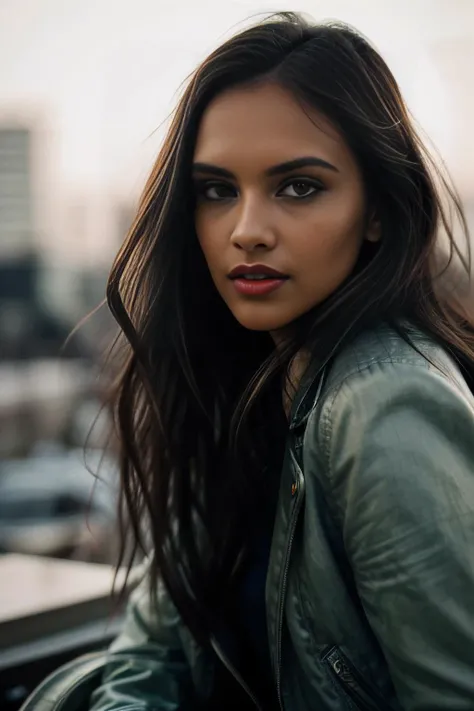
x=399, y=447
x=147, y=669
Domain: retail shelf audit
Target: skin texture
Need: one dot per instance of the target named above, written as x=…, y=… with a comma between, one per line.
x=256, y=218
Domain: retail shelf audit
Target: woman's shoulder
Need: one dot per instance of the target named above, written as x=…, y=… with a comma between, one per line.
x=383, y=364
x=392, y=391
x=385, y=354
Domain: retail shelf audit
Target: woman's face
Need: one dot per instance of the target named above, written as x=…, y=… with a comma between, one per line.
x=281, y=210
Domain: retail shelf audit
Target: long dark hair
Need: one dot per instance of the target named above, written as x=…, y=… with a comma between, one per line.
x=197, y=403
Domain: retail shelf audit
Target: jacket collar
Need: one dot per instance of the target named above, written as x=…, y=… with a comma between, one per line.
x=307, y=395
x=370, y=344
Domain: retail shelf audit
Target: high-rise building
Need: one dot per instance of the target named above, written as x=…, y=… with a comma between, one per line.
x=16, y=199
x=125, y=213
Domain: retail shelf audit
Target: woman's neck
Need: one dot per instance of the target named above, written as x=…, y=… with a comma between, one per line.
x=295, y=372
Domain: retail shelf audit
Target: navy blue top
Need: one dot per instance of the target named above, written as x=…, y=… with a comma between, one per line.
x=245, y=635
x=247, y=615
x=251, y=618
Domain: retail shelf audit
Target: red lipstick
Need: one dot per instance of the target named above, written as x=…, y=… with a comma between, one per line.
x=256, y=279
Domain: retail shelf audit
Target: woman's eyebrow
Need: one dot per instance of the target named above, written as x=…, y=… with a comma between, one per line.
x=300, y=163
x=287, y=167
x=209, y=169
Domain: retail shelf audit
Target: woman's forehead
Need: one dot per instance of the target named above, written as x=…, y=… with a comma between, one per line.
x=267, y=124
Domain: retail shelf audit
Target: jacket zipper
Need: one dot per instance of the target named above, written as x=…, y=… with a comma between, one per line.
x=352, y=683
x=234, y=672
x=293, y=522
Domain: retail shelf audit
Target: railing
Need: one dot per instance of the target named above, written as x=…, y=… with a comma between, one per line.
x=50, y=612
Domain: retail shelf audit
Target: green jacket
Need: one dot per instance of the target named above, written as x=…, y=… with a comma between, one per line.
x=370, y=588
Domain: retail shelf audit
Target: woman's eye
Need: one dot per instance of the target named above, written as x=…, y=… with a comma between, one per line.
x=300, y=189
x=217, y=191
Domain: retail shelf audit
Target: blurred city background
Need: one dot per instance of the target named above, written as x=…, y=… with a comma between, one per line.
x=85, y=91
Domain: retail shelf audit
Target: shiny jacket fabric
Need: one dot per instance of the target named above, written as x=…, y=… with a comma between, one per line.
x=370, y=588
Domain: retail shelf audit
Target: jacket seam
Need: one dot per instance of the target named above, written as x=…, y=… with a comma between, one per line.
x=327, y=426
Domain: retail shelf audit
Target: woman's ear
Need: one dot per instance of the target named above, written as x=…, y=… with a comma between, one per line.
x=374, y=230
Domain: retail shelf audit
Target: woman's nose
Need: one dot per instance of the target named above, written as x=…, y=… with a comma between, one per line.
x=253, y=229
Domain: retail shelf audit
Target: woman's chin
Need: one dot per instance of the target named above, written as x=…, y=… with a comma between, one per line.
x=260, y=322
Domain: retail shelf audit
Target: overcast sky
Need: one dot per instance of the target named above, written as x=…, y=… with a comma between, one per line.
x=102, y=74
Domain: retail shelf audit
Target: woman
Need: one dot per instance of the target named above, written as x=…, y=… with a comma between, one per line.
x=296, y=426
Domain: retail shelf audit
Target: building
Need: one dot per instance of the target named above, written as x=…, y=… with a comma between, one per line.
x=29, y=326
x=16, y=198
x=125, y=214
